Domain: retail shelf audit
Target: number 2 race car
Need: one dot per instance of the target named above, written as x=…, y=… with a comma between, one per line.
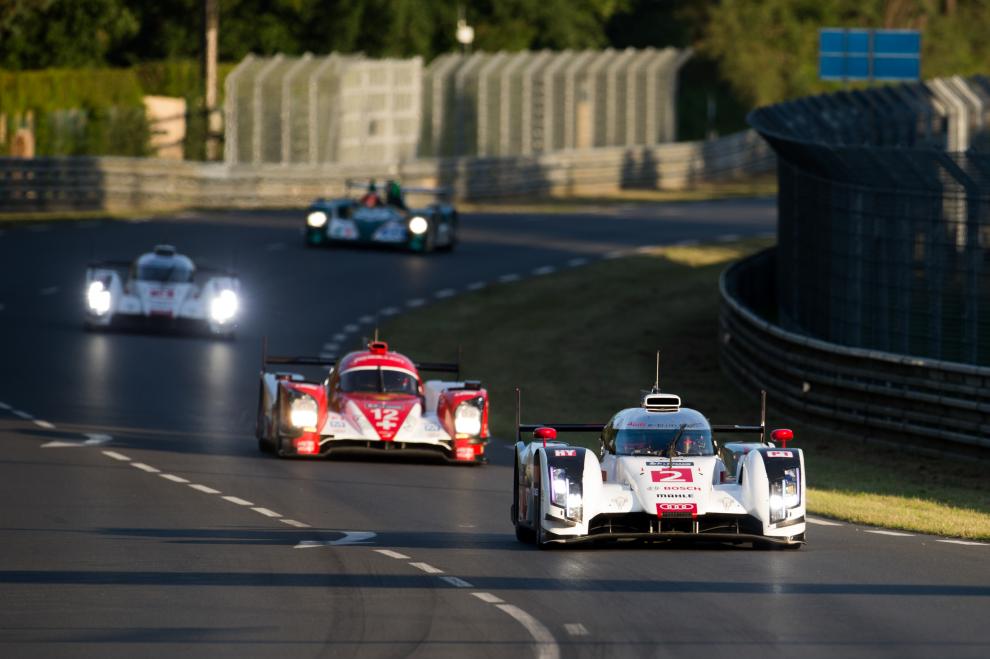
x=370, y=220
x=161, y=290
x=371, y=399
x=661, y=476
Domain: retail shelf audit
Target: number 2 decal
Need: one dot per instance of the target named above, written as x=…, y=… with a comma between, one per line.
x=672, y=475
x=385, y=419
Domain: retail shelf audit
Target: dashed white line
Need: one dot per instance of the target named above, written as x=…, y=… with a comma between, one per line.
x=969, y=543
x=392, y=554
x=4, y=406
x=823, y=522
x=896, y=534
x=509, y=278
x=366, y=320
x=50, y=290
x=575, y=629
x=292, y=522
x=545, y=270
x=476, y=286
x=351, y=328
x=116, y=456
x=577, y=262
x=445, y=293
x=339, y=336
x=415, y=302
x=203, y=488
x=237, y=500
x=456, y=582
x=426, y=567
x=266, y=512
x=546, y=644
x=330, y=347
x=93, y=438
x=23, y=415
x=488, y=597
x=174, y=478
x=144, y=467
x=47, y=425
x=389, y=311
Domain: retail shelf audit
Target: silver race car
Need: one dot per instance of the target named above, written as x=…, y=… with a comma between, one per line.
x=161, y=290
x=661, y=475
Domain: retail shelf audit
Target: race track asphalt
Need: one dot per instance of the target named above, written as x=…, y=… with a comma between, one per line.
x=169, y=534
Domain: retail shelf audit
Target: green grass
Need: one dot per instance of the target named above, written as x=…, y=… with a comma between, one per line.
x=580, y=344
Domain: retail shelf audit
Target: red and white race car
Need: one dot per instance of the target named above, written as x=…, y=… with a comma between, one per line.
x=371, y=399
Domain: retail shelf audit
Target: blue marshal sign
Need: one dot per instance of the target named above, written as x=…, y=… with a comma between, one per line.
x=862, y=54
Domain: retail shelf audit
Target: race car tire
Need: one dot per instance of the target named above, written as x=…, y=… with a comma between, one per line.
x=523, y=534
x=540, y=534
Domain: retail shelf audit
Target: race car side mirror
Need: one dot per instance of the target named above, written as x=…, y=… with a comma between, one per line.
x=782, y=435
x=545, y=434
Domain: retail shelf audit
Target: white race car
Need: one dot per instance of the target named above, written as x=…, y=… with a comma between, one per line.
x=161, y=290
x=661, y=475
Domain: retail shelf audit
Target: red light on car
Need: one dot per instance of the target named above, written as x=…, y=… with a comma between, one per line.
x=465, y=453
x=782, y=435
x=307, y=446
x=378, y=347
x=545, y=433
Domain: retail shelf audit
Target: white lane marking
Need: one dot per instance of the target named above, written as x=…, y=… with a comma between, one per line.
x=456, y=582
x=392, y=554
x=727, y=238
x=968, y=543
x=116, y=456
x=488, y=597
x=274, y=247
x=426, y=567
x=47, y=425
x=509, y=278
x=350, y=538
x=686, y=243
x=50, y=290
x=575, y=629
x=389, y=311
x=546, y=644
x=897, y=534
x=351, y=328
x=4, y=406
x=292, y=522
x=579, y=261
x=617, y=254
x=476, y=286
x=173, y=478
x=239, y=501
x=88, y=442
x=366, y=320
x=203, y=488
x=545, y=270
x=93, y=439
x=445, y=293
x=331, y=347
x=59, y=444
x=415, y=302
x=144, y=467
x=266, y=512
x=23, y=415
x=823, y=522
x=339, y=336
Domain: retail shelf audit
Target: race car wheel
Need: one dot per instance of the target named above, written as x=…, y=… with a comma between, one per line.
x=523, y=534
x=540, y=533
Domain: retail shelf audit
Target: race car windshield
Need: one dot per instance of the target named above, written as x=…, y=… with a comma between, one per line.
x=173, y=273
x=656, y=441
x=378, y=380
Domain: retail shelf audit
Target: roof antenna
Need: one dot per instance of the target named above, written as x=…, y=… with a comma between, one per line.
x=656, y=383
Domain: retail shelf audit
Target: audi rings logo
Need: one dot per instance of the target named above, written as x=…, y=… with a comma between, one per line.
x=677, y=507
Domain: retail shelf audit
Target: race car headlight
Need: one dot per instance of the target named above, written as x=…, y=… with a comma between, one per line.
x=224, y=306
x=785, y=493
x=98, y=298
x=467, y=417
x=316, y=219
x=565, y=494
x=302, y=412
x=418, y=225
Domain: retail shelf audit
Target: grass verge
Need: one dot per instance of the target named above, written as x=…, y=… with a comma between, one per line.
x=580, y=344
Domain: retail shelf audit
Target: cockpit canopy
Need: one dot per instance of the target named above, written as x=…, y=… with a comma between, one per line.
x=379, y=379
x=163, y=265
x=636, y=431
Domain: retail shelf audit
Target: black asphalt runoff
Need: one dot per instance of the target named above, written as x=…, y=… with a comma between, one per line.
x=101, y=557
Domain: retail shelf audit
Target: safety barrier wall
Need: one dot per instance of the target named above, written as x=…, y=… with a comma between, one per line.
x=122, y=184
x=926, y=404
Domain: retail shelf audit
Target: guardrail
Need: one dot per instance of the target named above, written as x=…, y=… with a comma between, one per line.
x=880, y=396
x=128, y=184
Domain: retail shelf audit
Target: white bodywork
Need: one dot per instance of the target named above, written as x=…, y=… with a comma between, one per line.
x=692, y=488
x=113, y=297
